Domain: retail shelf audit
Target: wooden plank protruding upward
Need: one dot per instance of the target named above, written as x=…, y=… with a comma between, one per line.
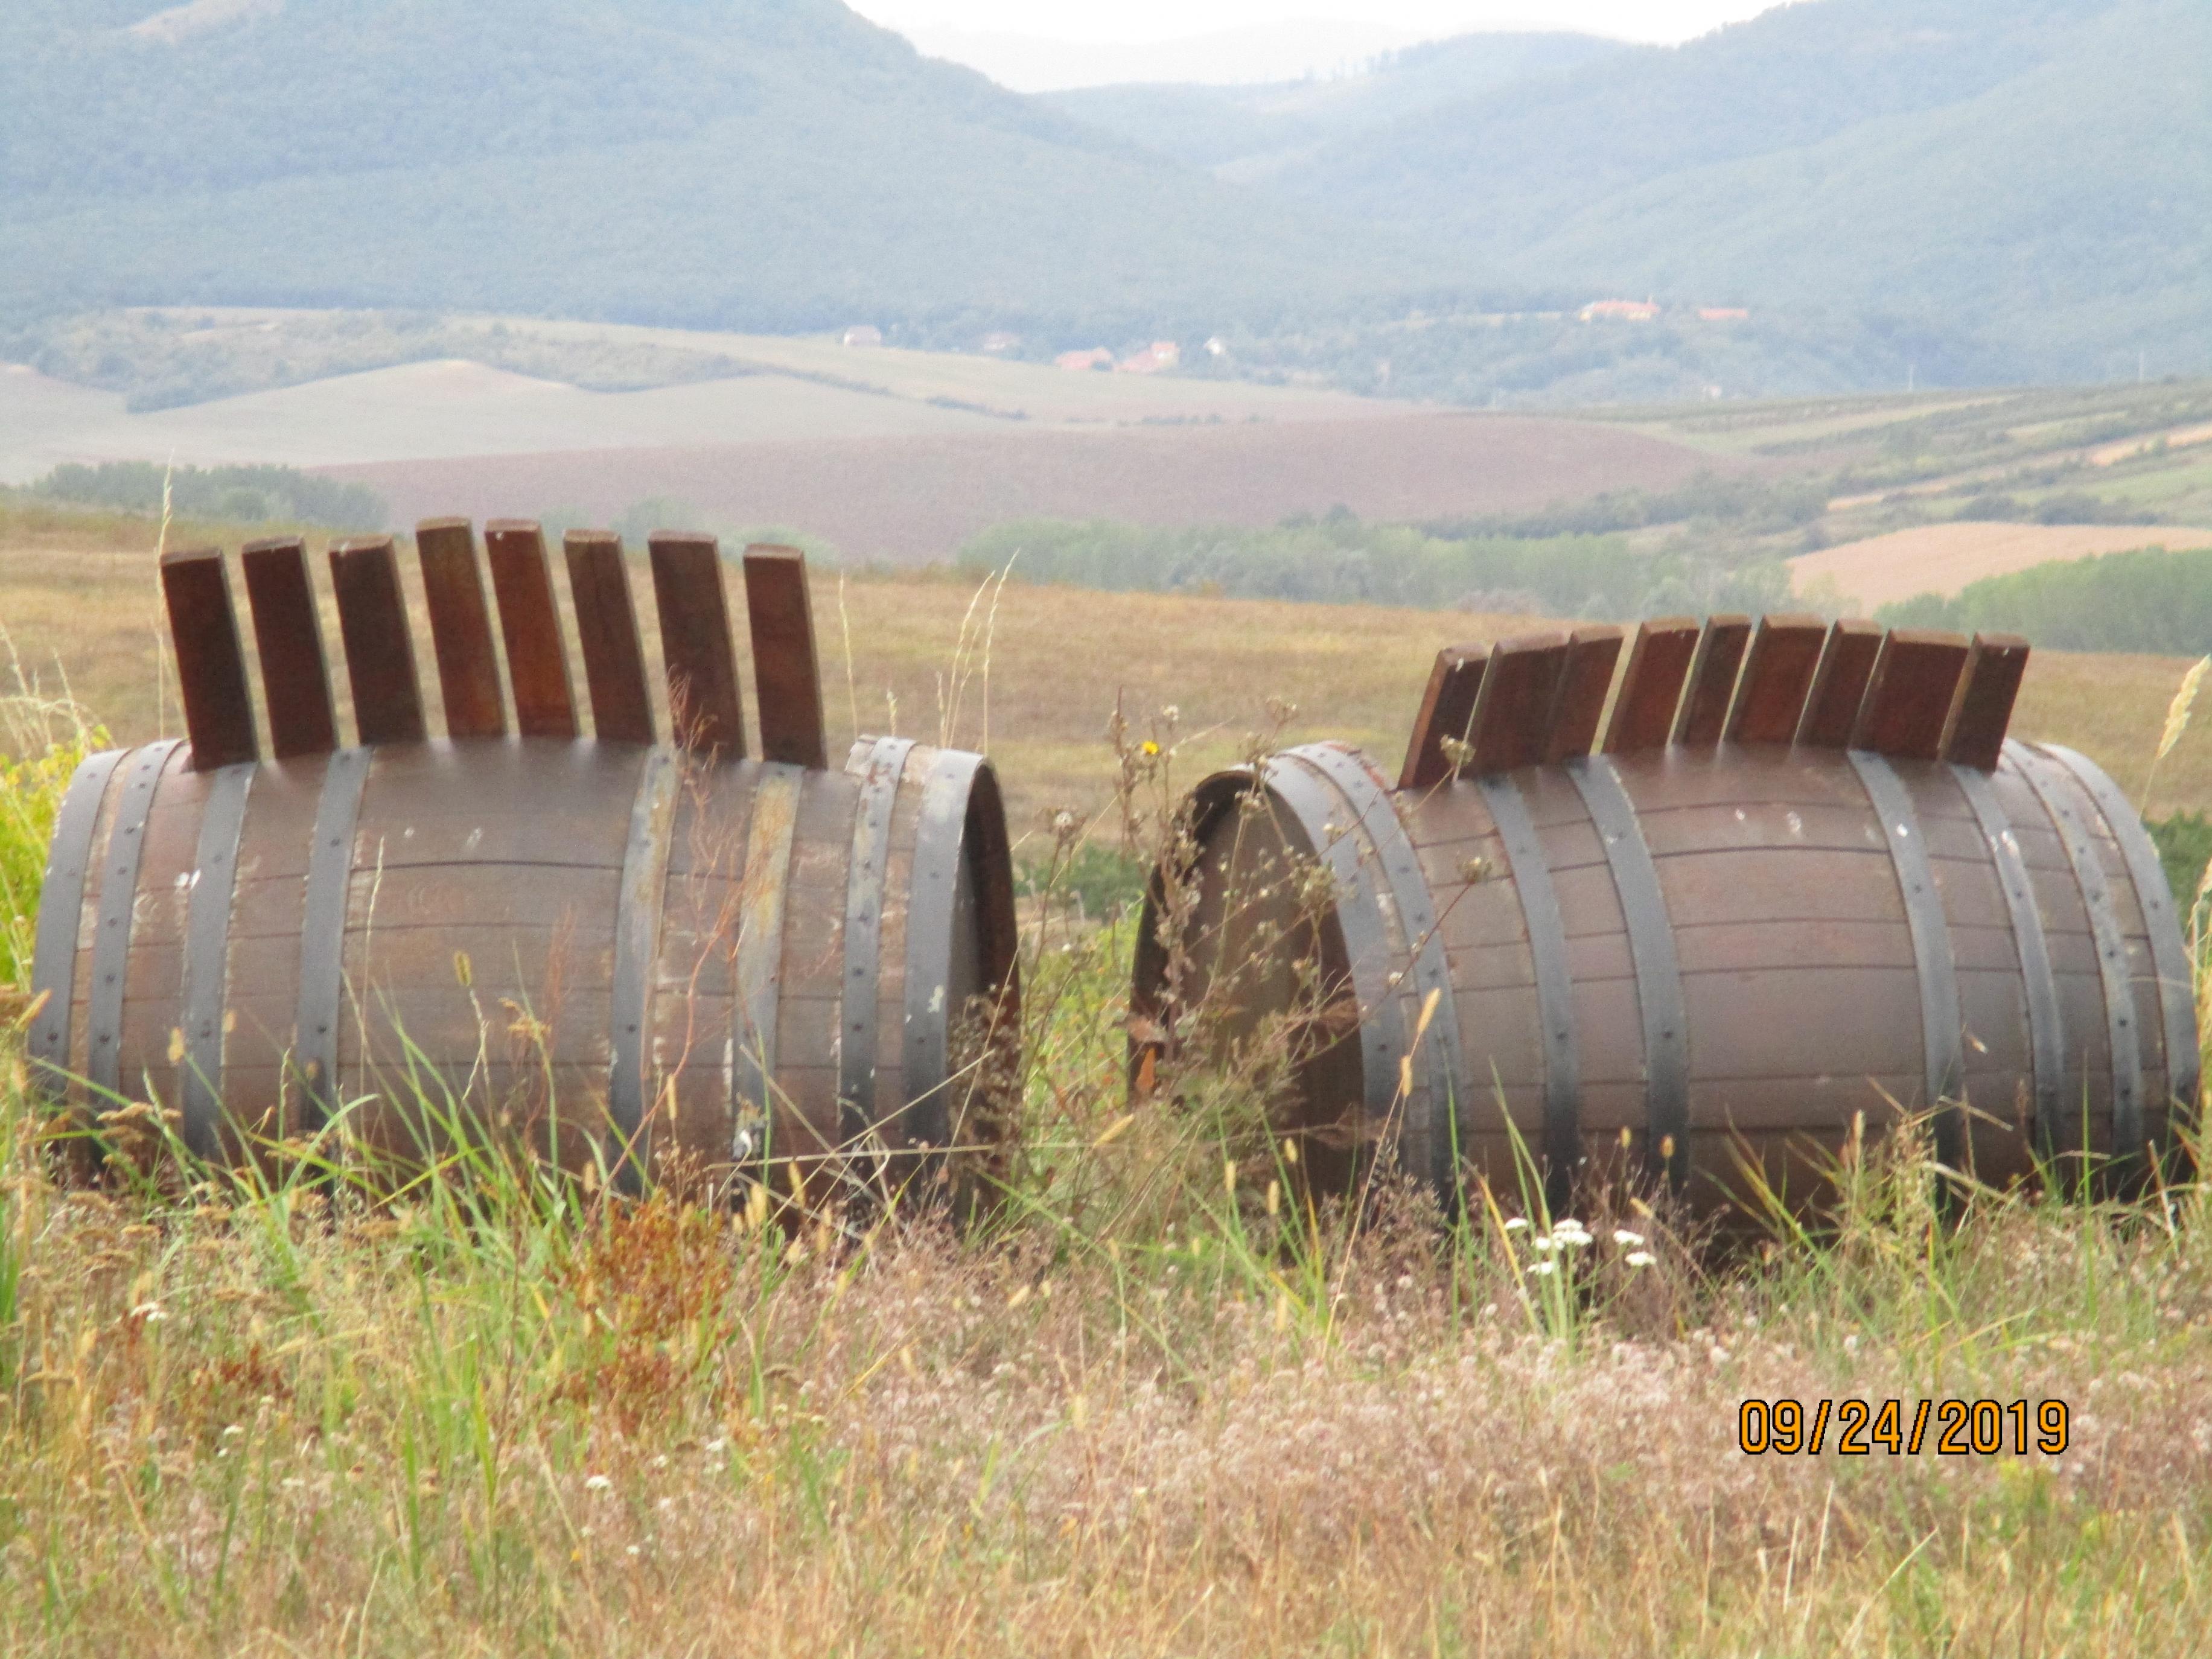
x=460, y=628
x=288, y=637
x=1908, y=702
x=606, y=626
x=211, y=662
x=1712, y=672
x=1839, y=683
x=1651, y=685
x=387, y=701
x=1513, y=709
x=787, y=673
x=1447, y=711
x=530, y=623
x=706, y=708
x=1777, y=672
x=1976, y=733
x=1592, y=654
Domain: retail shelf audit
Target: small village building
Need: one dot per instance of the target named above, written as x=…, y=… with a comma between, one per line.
x=1159, y=356
x=1619, y=311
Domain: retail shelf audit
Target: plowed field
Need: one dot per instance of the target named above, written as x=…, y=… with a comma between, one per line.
x=1942, y=558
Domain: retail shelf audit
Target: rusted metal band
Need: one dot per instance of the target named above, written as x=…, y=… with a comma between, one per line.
x=638, y=909
x=323, y=931
x=206, y=973
x=1651, y=952
x=2110, y=946
x=879, y=770
x=940, y=846
x=61, y=920
x=1531, y=870
x=760, y=949
x=1327, y=823
x=1440, y=1077
x=1944, y=1059
x=119, y=900
x=2046, y=1033
x=2169, y=954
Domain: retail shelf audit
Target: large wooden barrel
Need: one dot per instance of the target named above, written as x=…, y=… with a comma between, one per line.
x=1695, y=958
x=640, y=957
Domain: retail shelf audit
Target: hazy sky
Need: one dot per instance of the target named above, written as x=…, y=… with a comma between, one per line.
x=1161, y=20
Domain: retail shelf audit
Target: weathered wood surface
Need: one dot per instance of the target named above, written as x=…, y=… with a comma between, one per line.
x=1710, y=962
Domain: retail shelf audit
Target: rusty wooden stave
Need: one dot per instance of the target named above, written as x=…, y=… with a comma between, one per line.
x=415, y=1020
x=1763, y=921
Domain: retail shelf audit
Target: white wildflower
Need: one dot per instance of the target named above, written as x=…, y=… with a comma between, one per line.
x=234, y=1429
x=1639, y=1258
x=151, y=1312
x=1540, y=1268
x=1626, y=1240
x=1518, y=1224
x=1545, y=1242
x=598, y=1482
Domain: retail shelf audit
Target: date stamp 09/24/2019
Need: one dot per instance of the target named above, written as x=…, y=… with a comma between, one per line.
x=1858, y=1428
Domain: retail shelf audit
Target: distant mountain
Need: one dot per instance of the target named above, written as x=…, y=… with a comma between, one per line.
x=2025, y=185
x=767, y=164
x=1963, y=190
x=1250, y=132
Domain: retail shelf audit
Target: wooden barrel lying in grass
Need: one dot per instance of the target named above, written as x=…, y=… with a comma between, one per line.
x=1812, y=891
x=642, y=958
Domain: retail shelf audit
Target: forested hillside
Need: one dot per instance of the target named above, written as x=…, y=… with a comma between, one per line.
x=1925, y=191
x=1250, y=133
x=2007, y=189
x=766, y=164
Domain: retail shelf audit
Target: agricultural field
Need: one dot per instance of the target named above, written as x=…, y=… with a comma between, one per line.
x=1155, y=1404
x=889, y=455
x=1031, y=673
x=1942, y=558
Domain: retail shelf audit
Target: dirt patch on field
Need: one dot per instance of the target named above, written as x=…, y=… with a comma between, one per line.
x=1942, y=558
x=918, y=498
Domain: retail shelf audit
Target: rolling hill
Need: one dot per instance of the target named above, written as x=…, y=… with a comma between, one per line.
x=2006, y=191
x=1940, y=192
x=1248, y=133
x=778, y=165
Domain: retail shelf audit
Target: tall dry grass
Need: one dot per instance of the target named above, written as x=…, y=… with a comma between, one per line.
x=1164, y=1402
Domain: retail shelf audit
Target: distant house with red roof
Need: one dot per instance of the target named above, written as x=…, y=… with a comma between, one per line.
x=1158, y=355
x=1096, y=357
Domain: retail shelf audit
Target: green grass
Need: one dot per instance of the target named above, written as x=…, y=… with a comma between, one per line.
x=1164, y=1399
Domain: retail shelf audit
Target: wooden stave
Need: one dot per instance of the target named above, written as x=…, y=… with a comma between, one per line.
x=425, y=794
x=1495, y=980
